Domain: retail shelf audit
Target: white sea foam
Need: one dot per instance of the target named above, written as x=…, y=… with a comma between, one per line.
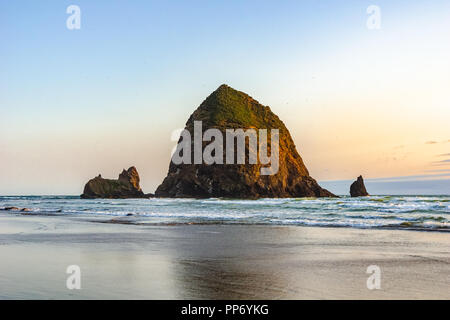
x=427, y=212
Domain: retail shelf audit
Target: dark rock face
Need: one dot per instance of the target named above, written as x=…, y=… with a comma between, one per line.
x=11, y=208
x=227, y=108
x=16, y=209
x=127, y=186
x=358, y=189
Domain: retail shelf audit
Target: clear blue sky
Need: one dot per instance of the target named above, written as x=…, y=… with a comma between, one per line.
x=74, y=103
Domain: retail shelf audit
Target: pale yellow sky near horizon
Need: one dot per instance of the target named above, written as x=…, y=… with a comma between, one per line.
x=334, y=146
x=356, y=101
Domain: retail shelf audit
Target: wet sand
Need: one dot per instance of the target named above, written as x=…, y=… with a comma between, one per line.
x=122, y=261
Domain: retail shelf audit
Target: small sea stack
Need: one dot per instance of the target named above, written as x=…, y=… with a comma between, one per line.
x=358, y=189
x=16, y=209
x=11, y=208
x=127, y=186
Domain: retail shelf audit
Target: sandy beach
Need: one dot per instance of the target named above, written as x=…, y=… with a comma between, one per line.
x=216, y=261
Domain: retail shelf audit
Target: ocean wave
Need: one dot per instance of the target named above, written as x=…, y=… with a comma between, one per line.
x=430, y=213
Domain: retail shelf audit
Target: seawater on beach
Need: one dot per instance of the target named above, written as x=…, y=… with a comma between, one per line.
x=427, y=213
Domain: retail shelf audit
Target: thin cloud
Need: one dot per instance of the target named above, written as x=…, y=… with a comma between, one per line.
x=441, y=163
x=430, y=142
x=408, y=178
x=421, y=177
x=443, y=155
x=439, y=170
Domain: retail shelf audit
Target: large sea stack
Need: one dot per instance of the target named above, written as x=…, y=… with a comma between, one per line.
x=227, y=108
x=358, y=189
x=127, y=186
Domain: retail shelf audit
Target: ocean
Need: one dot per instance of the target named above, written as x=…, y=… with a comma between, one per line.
x=427, y=213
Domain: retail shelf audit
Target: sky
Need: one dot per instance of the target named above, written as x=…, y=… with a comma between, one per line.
x=76, y=103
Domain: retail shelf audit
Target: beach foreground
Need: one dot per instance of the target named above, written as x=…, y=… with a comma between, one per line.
x=123, y=261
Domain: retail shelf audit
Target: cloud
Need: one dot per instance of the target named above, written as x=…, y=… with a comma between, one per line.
x=408, y=178
x=441, y=163
x=440, y=170
x=443, y=155
x=430, y=142
x=432, y=176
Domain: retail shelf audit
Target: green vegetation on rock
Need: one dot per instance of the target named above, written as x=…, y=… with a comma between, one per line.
x=227, y=108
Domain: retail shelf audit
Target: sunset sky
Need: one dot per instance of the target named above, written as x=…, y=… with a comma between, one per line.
x=76, y=103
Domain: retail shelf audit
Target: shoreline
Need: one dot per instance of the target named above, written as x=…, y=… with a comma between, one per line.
x=122, y=220
x=411, y=213
x=174, y=224
x=122, y=261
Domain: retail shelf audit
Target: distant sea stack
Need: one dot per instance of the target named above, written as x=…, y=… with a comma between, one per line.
x=227, y=108
x=127, y=186
x=358, y=189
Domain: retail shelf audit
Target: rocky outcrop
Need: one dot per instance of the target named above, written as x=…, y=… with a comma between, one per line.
x=358, y=189
x=11, y=208
x=16, y=209
x=127, y=186
x=227, y=108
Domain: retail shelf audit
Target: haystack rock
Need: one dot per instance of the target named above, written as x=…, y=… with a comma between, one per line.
x=358, y=189
x=227, y=108
x=127, y=186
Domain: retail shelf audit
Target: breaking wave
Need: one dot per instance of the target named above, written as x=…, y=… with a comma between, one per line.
x=430, y=213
